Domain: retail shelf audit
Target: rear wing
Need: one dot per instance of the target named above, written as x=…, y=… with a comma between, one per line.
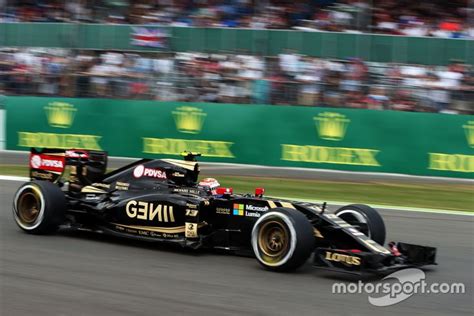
x=49, y=164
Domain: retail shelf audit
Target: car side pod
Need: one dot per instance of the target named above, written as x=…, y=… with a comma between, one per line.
x=359, y=262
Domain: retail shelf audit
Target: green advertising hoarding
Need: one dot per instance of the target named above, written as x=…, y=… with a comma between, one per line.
x=328, y=138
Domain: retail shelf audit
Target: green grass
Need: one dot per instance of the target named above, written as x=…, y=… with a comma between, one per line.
x=457, y=197
x=7, y=170
x=448, y=197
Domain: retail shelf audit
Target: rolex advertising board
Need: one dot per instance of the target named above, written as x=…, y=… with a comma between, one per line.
x=327, y=138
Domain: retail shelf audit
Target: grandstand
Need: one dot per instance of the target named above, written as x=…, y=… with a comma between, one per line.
x=437, y=18
x=223, y=52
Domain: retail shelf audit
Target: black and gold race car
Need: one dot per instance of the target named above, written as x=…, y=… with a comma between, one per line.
x=162, y=201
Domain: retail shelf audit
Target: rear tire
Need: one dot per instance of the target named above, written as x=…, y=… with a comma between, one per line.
x=282, y=239
x=38, y=207
x=360, y=213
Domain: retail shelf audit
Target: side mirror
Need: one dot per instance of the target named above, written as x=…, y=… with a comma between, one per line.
x=259, y=192
x=224, y=191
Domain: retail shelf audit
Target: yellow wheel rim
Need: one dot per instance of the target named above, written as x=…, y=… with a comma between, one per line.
x=29, y=206
x=273, y=240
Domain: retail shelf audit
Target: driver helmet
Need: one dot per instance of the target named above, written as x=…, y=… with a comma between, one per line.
x=210, y=184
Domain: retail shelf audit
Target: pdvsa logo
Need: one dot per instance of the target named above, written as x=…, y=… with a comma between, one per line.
x=45, y=162
x=35, y=162
x=142, y=171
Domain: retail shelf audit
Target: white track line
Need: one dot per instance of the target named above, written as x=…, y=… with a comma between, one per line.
x=387, y=207
x=14, y=178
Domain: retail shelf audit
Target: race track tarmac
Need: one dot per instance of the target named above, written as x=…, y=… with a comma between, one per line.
x=84, y=274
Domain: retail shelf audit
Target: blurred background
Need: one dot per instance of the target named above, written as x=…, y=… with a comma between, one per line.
x=343, y=101
x=395, y=55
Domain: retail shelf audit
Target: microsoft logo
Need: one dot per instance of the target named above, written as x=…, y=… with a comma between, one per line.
x=239, y=209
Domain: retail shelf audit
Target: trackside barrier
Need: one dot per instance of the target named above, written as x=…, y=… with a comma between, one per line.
x=329, y=138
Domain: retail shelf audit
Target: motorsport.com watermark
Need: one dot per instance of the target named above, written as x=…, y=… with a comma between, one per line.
x=397, y=287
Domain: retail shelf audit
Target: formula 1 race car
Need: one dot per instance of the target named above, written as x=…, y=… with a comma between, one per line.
x=162, y=201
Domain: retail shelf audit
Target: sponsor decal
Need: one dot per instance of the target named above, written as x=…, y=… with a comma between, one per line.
x=189, y=119
x=46, y=162
x=145, y=233
x=52, y=163
x=165, y=230
x=333, y=127
x=252, y=214
x=35, y=162
x=191, y=230
x=239, y=209
x=123, y=186
x=141, y=170
x=149, y=211
x=254, y=211
x=451, y=162
x=138, y=171
x=186, y=190
x=455, y=162
x=245, y=210
x=170, y=146
x=60, y=114
x=44, y=176
x=338, y=257
x=222, y=210
x=334, y=155
x=256, y=208
x=61, y=141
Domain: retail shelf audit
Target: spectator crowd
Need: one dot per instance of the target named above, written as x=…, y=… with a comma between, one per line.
x=288, y=79
x=447, y=19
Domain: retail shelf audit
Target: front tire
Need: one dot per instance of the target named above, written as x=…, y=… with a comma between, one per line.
x=367, y=217
x=282, y=239
x=38, y=207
